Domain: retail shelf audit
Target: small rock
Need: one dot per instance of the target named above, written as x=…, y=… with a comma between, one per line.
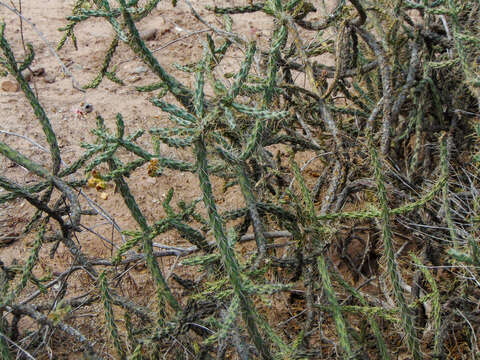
x=27, y=75
x=149, y=34
x=87, y=108
x=49, y=78
x=38, y=72
x=10, y=86
x=140, y=70
x=7, y=239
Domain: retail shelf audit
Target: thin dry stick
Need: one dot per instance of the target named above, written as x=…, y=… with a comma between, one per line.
x=51, y=283
x=17, y=346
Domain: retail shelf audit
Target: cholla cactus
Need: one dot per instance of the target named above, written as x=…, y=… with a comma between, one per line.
x=385, y=135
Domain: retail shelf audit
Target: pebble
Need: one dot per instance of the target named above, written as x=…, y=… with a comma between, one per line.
x=38, y=72
x=87, y=108
x=149, y=34
x=10, y=86
x=140, y=70
x=49, y=78
x=27, y=75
